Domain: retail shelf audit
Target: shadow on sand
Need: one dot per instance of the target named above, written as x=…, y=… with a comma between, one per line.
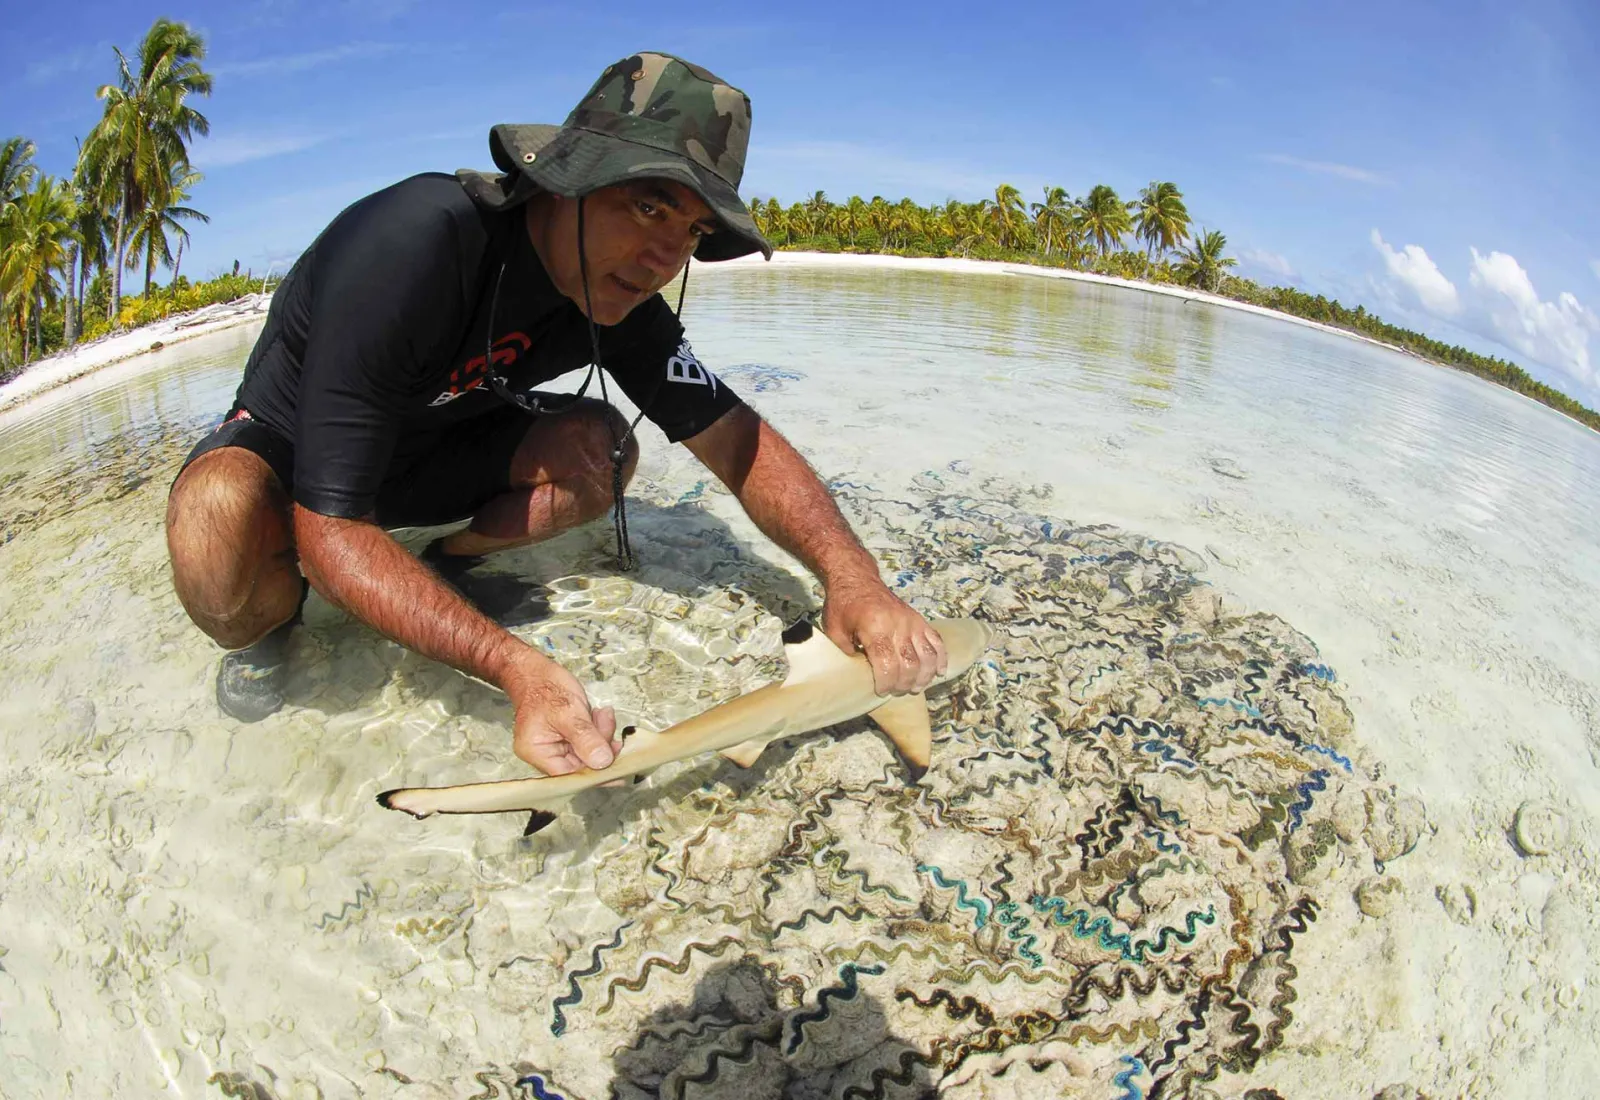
x=746, y=1034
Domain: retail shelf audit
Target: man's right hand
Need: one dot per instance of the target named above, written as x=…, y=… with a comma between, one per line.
x=557, y=731
x=358, y=566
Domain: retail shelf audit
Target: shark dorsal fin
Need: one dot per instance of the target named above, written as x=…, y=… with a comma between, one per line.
x=810, y=653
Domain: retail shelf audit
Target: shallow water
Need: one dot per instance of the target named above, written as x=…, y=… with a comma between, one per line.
x=1275, y=607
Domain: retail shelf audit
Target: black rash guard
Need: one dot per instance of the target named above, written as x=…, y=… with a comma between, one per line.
x=375, y=341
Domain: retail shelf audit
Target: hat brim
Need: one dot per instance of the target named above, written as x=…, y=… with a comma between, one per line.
x=573, y=162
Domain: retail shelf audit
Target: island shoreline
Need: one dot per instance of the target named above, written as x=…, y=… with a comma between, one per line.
x=51, y=372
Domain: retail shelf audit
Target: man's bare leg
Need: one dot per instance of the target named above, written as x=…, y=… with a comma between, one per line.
x=562, y=471
x=234, y=570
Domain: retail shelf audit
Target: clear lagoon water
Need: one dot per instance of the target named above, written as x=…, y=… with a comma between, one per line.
x=1294, y=631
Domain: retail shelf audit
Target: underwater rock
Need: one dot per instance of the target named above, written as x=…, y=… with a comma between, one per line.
x=1460, y=902
x=1376, y=896
x=1227, y=467
x=1395, y=823
x=1539, y=829
x=1399, y=1092
x=1349, y=815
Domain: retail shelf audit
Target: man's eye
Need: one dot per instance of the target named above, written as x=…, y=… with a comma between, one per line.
x=645, y=207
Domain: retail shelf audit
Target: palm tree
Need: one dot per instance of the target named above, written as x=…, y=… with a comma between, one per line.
x=1006, y=215
x=147, y=125
x=852, y=218
x=1202, y=263
x=904, y=221
x=1052, y=215
x=1161, y=220
x=16, y=169
x=91, y=247
x=773, y=220
x=816, y=208
x=1103, y=218
x=37, y=227
x=161, y=216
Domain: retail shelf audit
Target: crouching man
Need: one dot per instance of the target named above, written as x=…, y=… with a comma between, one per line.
x=394, y=385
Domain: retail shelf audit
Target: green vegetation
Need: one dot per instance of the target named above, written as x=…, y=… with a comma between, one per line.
x=64, y=243
x=1086, y=234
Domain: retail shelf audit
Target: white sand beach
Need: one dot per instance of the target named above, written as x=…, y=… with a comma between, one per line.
x=128, y=347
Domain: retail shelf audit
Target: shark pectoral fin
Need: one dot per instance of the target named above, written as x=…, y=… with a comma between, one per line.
x=905, y=719
x=748, y=752
x=548, y=812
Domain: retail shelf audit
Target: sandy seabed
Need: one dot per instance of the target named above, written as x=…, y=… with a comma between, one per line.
x=1170, y=845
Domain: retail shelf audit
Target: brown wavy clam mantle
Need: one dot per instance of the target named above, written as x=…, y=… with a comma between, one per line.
x=1105, y=883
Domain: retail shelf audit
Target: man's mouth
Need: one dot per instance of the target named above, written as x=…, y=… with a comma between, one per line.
x=631, y=288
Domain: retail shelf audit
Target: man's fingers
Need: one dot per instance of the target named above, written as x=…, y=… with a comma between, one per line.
x=840, y=638
x=590, y=745
x=882, y=659
x=550, y=757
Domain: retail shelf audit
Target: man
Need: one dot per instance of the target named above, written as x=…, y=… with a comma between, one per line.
x=392, y=387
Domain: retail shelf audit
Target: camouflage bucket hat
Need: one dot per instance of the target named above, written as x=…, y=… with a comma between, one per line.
x=648, y=116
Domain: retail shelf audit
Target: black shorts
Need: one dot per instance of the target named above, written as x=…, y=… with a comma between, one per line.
x=434, y=478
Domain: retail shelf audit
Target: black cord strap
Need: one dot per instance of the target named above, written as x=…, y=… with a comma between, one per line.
x=535, y=404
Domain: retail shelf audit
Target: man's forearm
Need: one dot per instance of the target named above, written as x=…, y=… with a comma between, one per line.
x=789, y=503
x=358, y=566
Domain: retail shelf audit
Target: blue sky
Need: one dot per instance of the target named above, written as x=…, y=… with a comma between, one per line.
x=1434, y=161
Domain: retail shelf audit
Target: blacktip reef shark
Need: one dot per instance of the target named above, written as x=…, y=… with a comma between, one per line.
x=824, y=687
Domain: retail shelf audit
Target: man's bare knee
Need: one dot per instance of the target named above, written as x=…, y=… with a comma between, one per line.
x=575, y=449
x=230, y=545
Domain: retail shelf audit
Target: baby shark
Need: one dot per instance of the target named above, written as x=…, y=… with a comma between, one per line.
x=824, y=687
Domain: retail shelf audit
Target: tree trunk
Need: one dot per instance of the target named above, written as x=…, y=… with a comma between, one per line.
x=149, y=265
x=116, y=258
x=176, y=264
x=68, y=318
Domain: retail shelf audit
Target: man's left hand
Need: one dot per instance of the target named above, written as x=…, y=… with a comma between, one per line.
x=904, y=651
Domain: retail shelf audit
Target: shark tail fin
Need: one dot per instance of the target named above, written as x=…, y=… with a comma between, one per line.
x=905, y=719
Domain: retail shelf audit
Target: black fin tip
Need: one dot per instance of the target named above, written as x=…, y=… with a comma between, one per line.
x=801, y=631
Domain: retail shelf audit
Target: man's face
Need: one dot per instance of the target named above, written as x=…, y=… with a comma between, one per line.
x=637, y=237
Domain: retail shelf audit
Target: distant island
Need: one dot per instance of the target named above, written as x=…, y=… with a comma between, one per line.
x=66, y=242
x=1088, y=234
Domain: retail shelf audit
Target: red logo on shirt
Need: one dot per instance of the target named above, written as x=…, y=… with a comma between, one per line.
x=474, y=372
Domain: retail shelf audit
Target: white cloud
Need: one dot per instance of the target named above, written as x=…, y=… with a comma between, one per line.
x=1413, y=268
x=1326, y=168
x=1269, y=262
x=98, y=56
x=1556, y=333
x=300, y=62
x=242, y=148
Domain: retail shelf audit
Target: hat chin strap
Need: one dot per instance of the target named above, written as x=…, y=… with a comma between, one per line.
x=619, y=443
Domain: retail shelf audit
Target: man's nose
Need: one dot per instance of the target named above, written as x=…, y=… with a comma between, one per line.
x=664, y=254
